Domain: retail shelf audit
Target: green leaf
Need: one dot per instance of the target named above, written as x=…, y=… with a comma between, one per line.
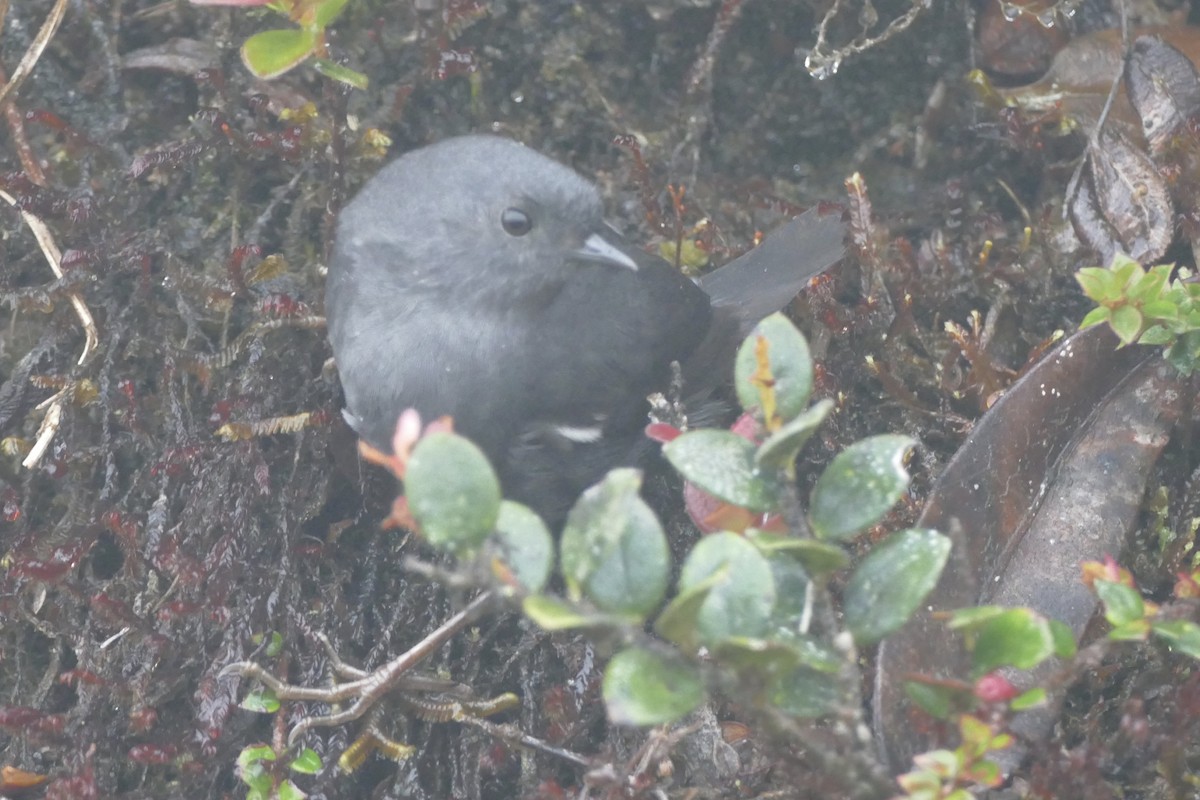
x=1034, y=698
x=859, y=486
x=1148, y=286
x=337, y=72
x=274, y=646
x=289, y=791
x=805, y=693
x=742, y=603
x=261, y=700
x=1096, y=283
x=254, y=754
x=813, y=653
x=1126, y=323
x=976, y=735
x=790, y=363
x=677, y=622
x=1064, y=639
x=644, y=688
x=552, y=614
x=793, y=593
x=1096, y=316
x=1156, y=335
x=722, y=464
x=270, y=54
x=307, y=763
x=523, y=544
x=260, y=785
x=1124, y=270
x=965, y=619
x=1183, y=635
x=780, y=448
x=756, y=659
x=936, y=699
x=613, y=548
x=1185, y=352
x=326, y=12
x=1122, y=604
x=1160, y=309
x=452, y=492
x=762, y=656
x=892, y=581
x=1134, y=631
x=595, y=526
x=817, y=558
x=1017, y=637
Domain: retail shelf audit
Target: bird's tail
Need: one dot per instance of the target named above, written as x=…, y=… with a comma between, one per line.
x=768, y=277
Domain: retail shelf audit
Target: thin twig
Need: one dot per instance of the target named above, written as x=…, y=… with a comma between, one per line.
x=514, y=735
x=36, y=48
x=54, y=404
x=54, y=258
x=1113, y=90
x=49, y=426
x=368, y=690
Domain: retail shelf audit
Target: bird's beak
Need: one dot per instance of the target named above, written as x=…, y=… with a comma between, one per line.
x=598, y=248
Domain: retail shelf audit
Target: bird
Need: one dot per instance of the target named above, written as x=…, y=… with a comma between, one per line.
x=476, y=278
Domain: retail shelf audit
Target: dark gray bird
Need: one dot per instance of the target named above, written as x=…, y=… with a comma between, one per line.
x=477, y=279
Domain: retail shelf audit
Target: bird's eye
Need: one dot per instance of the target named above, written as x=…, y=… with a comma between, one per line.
x=516, y=222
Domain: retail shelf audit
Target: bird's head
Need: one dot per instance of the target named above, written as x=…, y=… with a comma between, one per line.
x=479, y=216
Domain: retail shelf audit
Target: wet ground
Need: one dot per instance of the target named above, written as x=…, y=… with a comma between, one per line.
x=199, y=490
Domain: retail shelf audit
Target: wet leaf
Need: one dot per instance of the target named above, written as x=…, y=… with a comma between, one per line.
x=613, y=548
x=677, y=622
x=1031, y=699
x=739, y=605
x=790, y=367
x=939, y=700
x=1182, y=634
x=1077, y=84
x=307, y=763
x=1164, y=88
x=1016, y=637
x=645, y=688
x=1122, y=203
x=523, y=544
x=326, y=11
x=553, y=614
x=269, y=54
x=1052, y=475
x=756, y=656
x=261, y=701
x=859, y=486
x=781, y=448
x=892, y=581
x=342, y=74
x=1122, y=604
x=254, y=754
x=288, y=791
x=793, y=593
x=452, y=492
x=805, y=693
x=722, y=464
x=818, y=558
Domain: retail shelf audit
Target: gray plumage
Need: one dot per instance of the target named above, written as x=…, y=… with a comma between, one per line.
x=540, y=340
